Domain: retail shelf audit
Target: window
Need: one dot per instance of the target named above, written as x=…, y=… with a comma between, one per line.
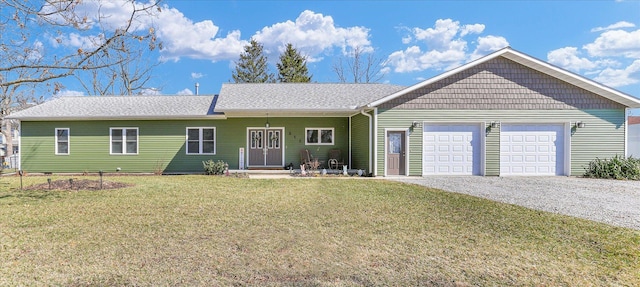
x=62, y=141
x=201, y=141
x=319, y=136
x=124, y=140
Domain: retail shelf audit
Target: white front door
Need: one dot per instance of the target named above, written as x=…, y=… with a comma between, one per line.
x=451, y=149
x=532, y=149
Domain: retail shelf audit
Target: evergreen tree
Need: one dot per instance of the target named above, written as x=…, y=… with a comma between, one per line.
x=292, y=67
x=252, y=65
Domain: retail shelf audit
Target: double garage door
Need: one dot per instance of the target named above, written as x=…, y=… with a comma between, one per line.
x=525, y=149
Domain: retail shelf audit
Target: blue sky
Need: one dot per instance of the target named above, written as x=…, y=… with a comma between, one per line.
x=419, y=39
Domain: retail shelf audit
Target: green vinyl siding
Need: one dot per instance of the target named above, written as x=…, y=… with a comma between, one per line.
x=360, y=142
x=603, y=136
x=161, y=144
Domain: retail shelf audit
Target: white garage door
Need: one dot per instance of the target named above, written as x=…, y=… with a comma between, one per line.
x=452, y=149
x=532, y=149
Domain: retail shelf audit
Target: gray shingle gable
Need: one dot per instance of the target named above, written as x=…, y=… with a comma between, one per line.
x=300, y=96
x=116, y=107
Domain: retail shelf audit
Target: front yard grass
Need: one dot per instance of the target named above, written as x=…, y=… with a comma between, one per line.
x=217, y=231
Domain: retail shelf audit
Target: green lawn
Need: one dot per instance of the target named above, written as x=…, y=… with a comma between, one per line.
x=217, y=231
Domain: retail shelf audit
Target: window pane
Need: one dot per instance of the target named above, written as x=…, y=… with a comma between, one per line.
x=193, y=147
x=116, y=135
x=207, y=134
x=395, y=141
x=327, y=136
x=207, y=147
x=312, y=136
x=193, y=134
x=63, y=135
x=132, y=147
x=132, y=135
x=63, y=148
x=116, y=147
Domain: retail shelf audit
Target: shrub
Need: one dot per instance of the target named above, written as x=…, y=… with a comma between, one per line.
x=617, y=167
x=214, y=168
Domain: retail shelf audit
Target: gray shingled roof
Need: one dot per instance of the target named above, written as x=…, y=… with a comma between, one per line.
x=118, y=107
x=300, y=96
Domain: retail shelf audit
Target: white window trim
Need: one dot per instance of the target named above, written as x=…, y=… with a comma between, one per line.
x=68, y=141
x=200, y=139
x=333, y=136
x=124, y=140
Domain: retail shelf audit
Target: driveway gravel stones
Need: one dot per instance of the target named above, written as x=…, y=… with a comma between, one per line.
x=614, y=202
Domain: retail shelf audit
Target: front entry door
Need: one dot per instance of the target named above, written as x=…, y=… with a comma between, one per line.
x=396, y=153
x=265, y=147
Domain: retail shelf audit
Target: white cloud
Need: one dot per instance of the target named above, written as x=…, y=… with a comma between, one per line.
x=185, y=92
x=181, y=37
x=151, y=92
x=441, y=37
x=413, y=59
x=615, y=43
x=196, y=75
x=444, y=47
x=109, y=14
x=619, y=25
x=36, y=51
x=312, y=34
x=472, y=29
x=613, y=58
x=77, y=41
x=487, y=45
x=620, y=77
x=568, y=58
x=69, y=93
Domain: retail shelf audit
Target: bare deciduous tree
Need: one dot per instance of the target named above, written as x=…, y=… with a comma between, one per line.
x=45, y=41
x=359, y=67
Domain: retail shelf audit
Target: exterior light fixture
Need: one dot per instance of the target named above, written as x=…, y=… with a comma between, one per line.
x=494, y=125
x=266, y=125
x=580, y=124
x=415, y=124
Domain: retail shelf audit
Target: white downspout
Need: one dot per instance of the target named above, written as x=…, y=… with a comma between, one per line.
x=626, y=132
x=370, y=139
x=375, y=141
x=350, y=146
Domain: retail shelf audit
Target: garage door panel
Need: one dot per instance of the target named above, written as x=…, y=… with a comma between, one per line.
x=532, y=149
x=454, y=148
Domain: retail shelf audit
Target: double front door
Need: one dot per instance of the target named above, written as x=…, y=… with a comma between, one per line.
x=265, y=147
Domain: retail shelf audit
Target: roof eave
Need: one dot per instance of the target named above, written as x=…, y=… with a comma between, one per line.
x=289, y=112
x=104, y=118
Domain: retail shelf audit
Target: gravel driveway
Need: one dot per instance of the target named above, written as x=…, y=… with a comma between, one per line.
x=614, y=202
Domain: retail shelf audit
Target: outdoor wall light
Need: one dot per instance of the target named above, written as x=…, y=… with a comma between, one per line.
x=266, y=125
x=580, y=124
x=494, y=125
x=415, y=124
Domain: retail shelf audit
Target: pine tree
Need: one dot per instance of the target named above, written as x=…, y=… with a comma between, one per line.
x=292, y=67
x=252, y=65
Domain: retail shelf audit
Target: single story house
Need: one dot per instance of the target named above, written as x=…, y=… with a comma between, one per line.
x=504, y=114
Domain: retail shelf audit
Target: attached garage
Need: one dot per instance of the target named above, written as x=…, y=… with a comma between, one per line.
x=452, y=149
x=532, y=149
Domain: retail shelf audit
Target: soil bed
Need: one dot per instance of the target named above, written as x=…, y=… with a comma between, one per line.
x=83, y=184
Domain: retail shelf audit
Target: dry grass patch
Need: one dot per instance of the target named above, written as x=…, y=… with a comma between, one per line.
x=198, y=230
